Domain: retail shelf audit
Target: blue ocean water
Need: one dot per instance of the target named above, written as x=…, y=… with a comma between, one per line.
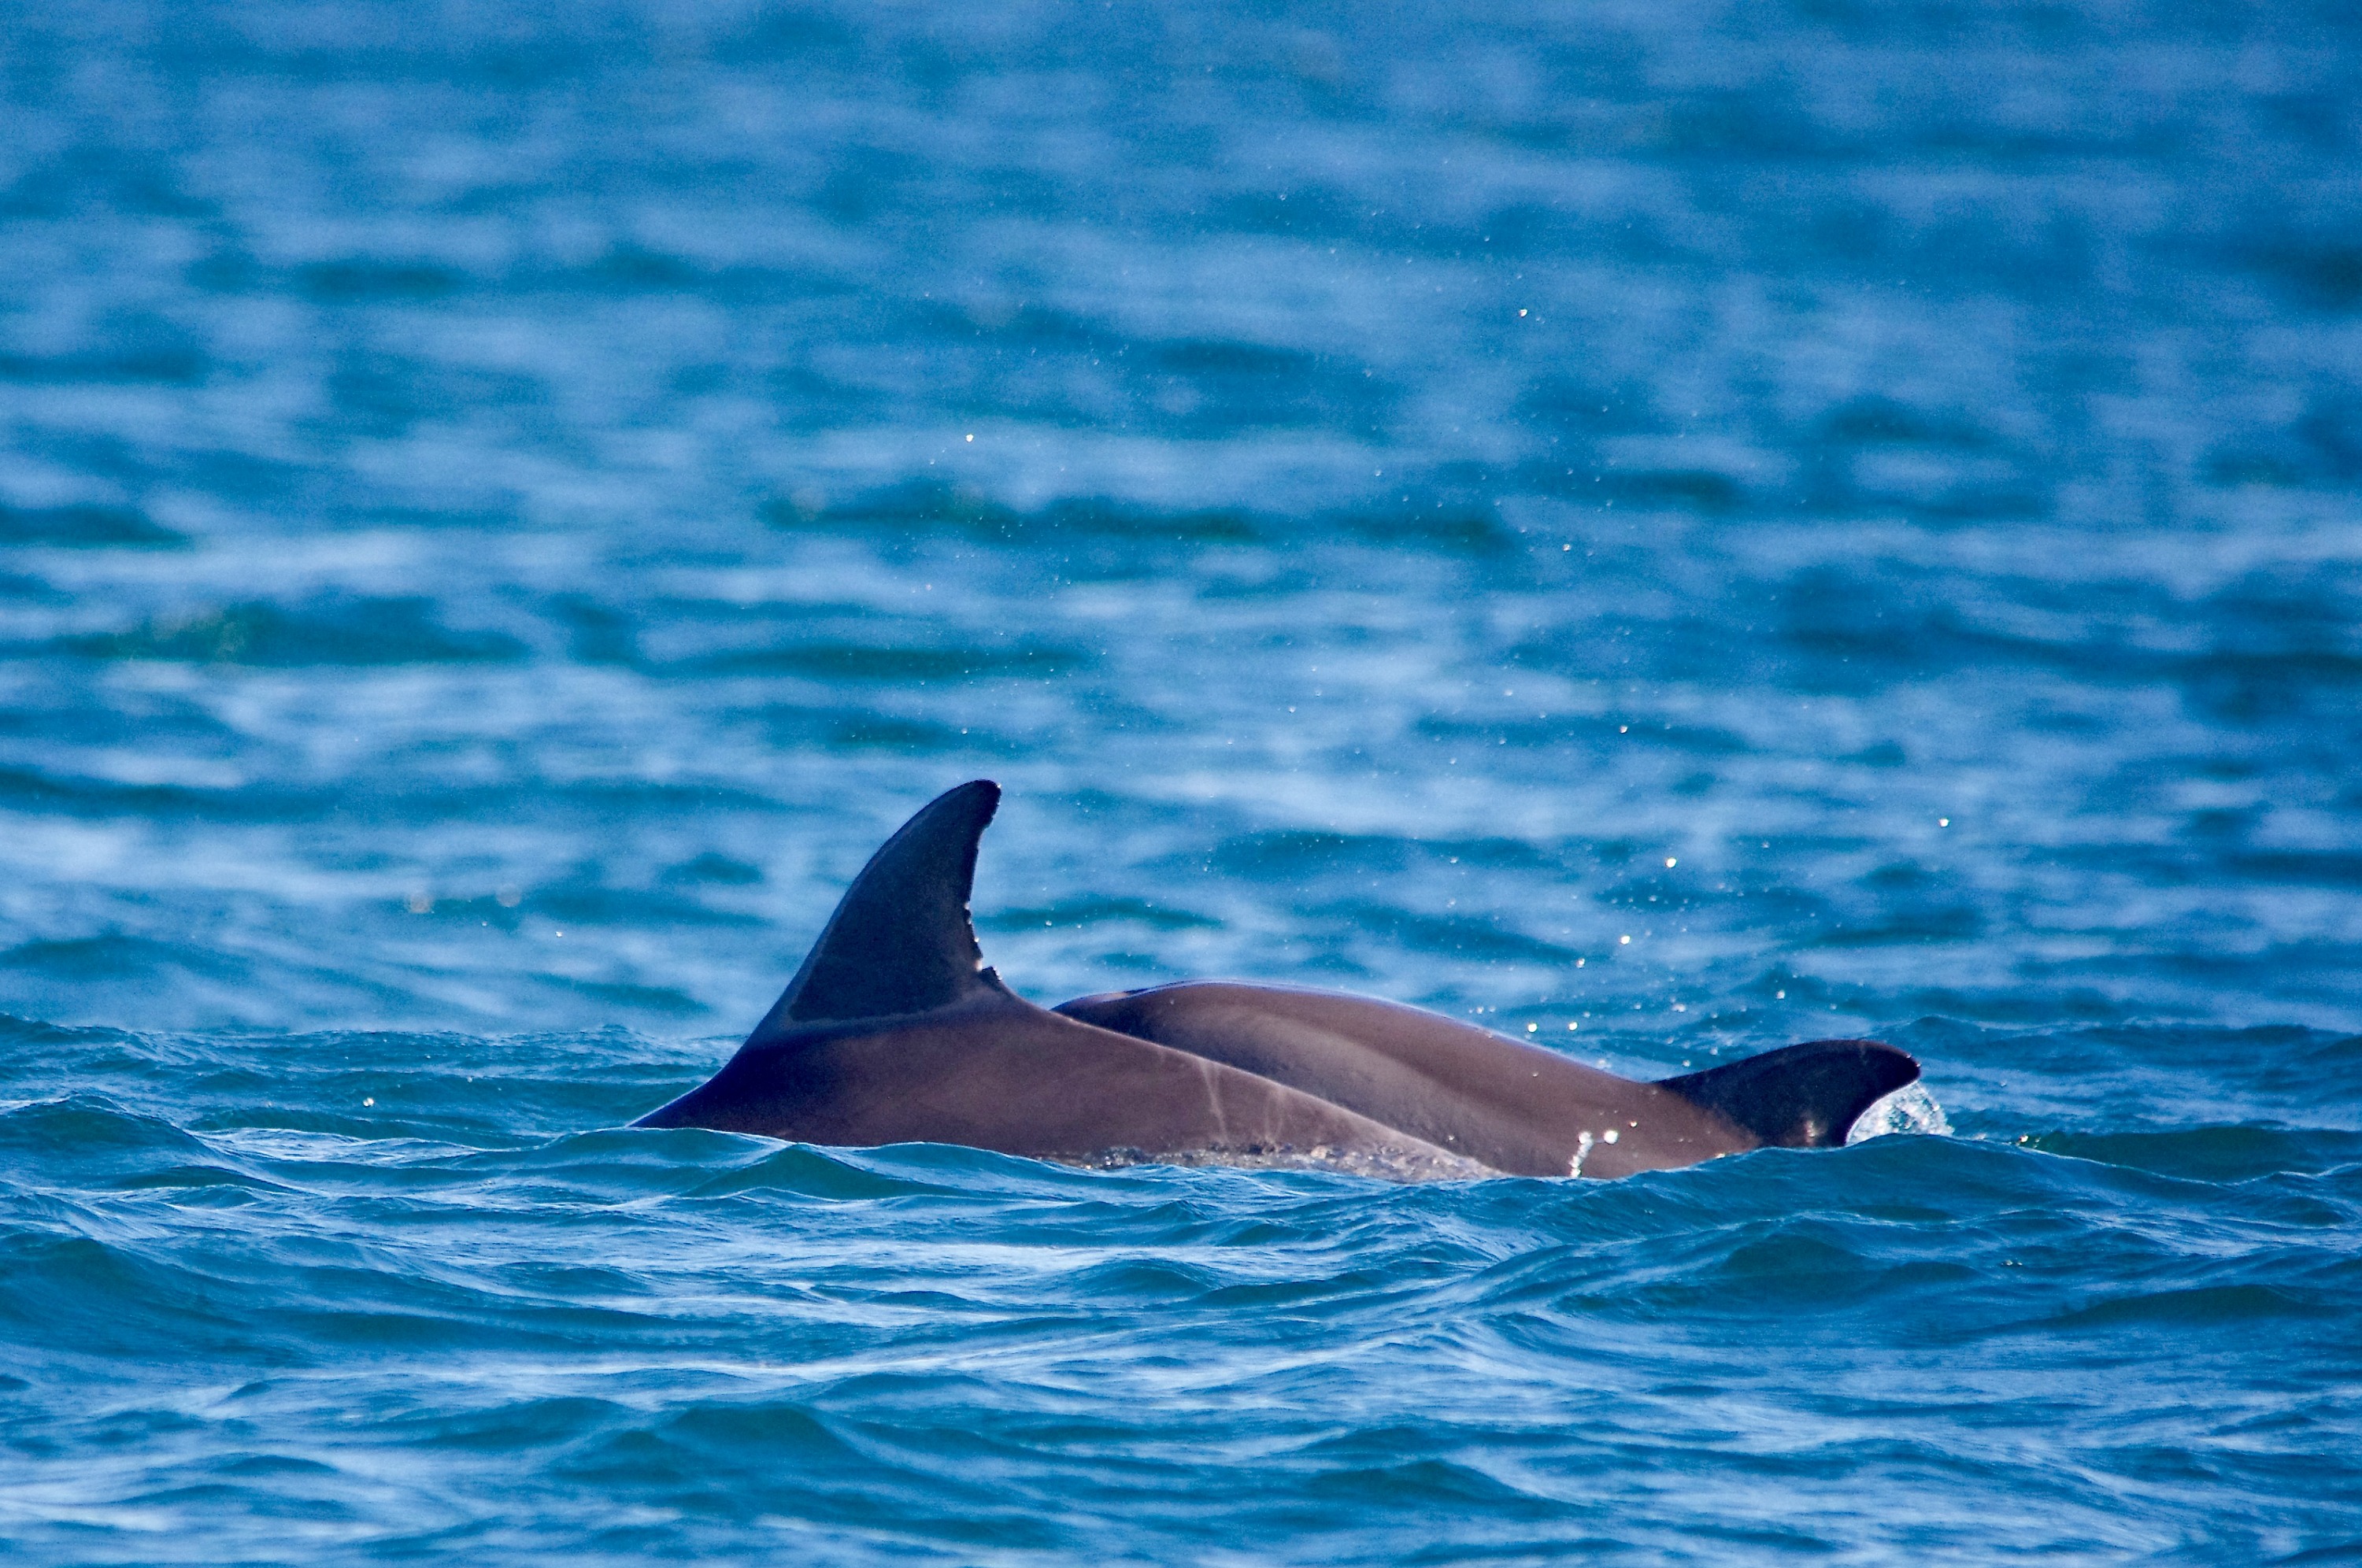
x=1672, y=529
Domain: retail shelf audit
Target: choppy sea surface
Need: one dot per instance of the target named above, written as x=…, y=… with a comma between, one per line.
x=1671, y=528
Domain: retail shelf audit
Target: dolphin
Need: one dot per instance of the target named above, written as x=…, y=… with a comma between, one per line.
x=1516, y=1108
x=895, y=1030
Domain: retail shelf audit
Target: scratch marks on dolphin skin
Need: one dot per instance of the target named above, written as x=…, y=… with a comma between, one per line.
x=1214, y=1105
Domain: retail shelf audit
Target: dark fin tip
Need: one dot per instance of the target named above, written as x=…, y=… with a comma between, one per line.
x=1800, y=1096
x=900, y=940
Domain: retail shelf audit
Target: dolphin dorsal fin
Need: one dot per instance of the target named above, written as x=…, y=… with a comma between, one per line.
x=900, y=940
x=1800, y=1096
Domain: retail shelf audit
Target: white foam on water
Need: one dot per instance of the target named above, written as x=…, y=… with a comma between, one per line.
x=1910, y=1109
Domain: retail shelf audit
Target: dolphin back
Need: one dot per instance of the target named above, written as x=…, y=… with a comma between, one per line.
x=1800, y=1096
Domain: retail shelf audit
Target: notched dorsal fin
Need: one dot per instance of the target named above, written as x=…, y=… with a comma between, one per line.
x=900, y=940
x=1800, y=1096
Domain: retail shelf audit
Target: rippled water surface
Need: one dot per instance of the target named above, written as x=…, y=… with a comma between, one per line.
x=1674, y=529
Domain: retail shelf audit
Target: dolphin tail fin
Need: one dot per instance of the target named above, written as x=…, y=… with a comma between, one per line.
x=900, y=940
x=1800, y=1096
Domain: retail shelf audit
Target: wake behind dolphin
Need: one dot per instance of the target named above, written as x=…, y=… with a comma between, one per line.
x=895, y=1030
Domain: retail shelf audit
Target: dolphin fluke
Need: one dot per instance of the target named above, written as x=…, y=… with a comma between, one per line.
x=1800, y=1096
x=900, y=941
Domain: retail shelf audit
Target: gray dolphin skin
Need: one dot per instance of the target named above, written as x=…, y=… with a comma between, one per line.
x=1515, y=1108
x=894, y=1031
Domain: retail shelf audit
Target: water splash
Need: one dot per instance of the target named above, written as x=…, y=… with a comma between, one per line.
x=1910, y=1109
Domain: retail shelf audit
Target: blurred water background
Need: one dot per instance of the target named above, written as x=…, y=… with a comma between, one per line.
x=504, y=506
